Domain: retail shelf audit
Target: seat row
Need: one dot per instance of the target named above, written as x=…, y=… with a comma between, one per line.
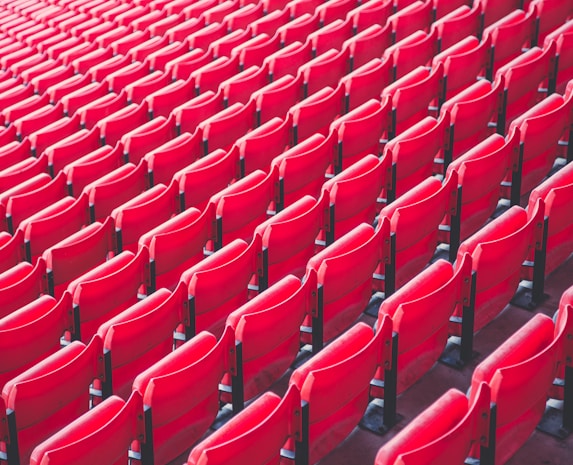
x=271, y=426
x=325, y=300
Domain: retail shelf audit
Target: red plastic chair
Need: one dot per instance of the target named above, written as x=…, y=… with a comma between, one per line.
x=412, y=95
x=550, y=15
x=115, y=125
x=141, y=140
x=92, y=166
x=298, y=29
x=315, y=113
x=119, y=279
x=415, y=17
x=241, y=207
x=424, y=206
x=366, y=82
x=538, y=347
x=464, y=62
x=288, y=239
x=540, y=129
x=493, y=11
x=556, y=193
x=276, y=99
x=222, y=129
x=354, y=193
x=258, y=148
x=244, y=17
x=175, y=419
x=368, y=44
x=288, y=60
x=415, y=50
x=239, y=88
x=71, y=148
x=165, y=160
x=53, y=132
x=202, y=179
x=336, y=407
x=283, y=307
x=143, y=213
x=31, y=197
x=370, y=13
x=474, y=114
x=421, y=312
x=31, y=333
x=190, y=114
x=256, y=435
x=42, y=404
x=359, y=132
x=139, y=337
x=99, y=108
x=210, y=75
x=103, y=434
x=481, y=171
x=414, y=152
x=563, y=38
x=175, y=245
x=115, y=188
x=330, y=36
x=219, y=284
x=344, y=300
x=253, y=52
x=496, y=284
x=269, y=23
x=325, y=70
x=525, y=78
x=54, y=223
x=457, y=24
x=21, y=284
x=302, y=168
x=77, y=254
x=457, y=424
x=510, y=35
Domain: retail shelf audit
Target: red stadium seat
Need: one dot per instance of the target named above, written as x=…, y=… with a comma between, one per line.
x=556, y=193
x=175, y=245
x=495, y=285
x=366, y=82
x=175, y=154
x=414, y=151
x=282, y=307
x=77, y=254
x=118, y=279
x=288, y=239
x=22, y=284
x=520, y=398
x=424, y=206
x=257, y=435
x=143, y=213
x=242, y=206
x=139, y=337
x=457, y=424
x=457, y=25
x=40, y=409
x=420, y=313
x=219, y=284
x=354, y=194
x=343, y=300
x=31, y=333
x=415, y=17
x=205, y=177
x=104, y=434
x=335, y=407
x=302, y=168
x=174, y=419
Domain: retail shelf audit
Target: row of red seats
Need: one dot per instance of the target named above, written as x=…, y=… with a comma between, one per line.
x=441, y=286
x=466, y=427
